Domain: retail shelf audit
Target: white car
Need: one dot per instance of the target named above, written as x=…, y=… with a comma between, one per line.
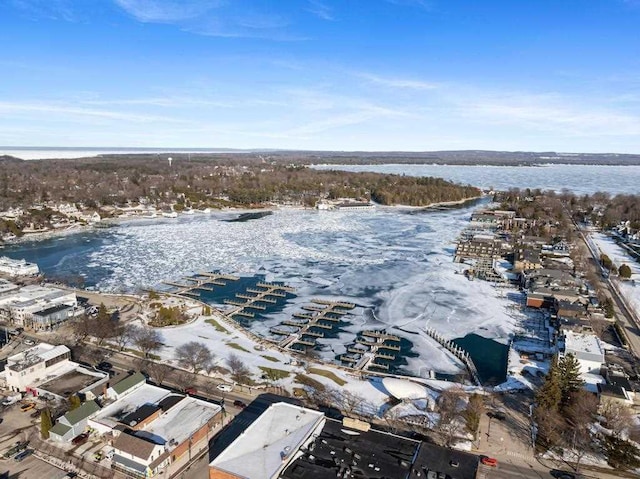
x=29, y=342
x=225, y=387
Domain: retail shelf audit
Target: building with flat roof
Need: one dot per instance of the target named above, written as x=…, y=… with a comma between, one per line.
x=267, y=447
x=587, y=349
x=18, y=267
x=46, y=369
x=20, y=305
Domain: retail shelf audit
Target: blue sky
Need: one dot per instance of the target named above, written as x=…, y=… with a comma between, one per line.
x=411, y=75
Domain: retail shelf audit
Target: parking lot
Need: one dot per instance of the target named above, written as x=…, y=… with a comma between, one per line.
x=18, y=426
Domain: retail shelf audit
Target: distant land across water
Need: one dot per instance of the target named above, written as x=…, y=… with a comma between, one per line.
x=452, y=157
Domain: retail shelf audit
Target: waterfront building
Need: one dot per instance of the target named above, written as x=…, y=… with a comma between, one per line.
x=18, y=267
x=20, y=306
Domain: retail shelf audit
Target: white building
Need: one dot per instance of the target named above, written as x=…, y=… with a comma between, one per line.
x=18, y=267
x=20, y=305
x=267, y=447
x=587, y=349
x=34, y=364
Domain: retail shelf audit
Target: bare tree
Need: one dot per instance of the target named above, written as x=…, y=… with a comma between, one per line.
x=123, y=334
x=579, y=416
x=159, y=372
x=147, y=340
x=618, y=417
x=448, y=406
x=82, y=328
x=240, y=373
x=350, y=403
x=194, y=355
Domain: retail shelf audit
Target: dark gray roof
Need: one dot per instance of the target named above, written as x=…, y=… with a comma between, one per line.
x=333, y=448
x=612, y=390
x=439, y=459
x=53, y=309
x=139, y=415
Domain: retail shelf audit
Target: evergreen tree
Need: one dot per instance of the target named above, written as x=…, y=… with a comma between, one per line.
x=103, y=314
x=621, y=454
x=74, y=402
x=624, y=271
x=549, y=395
x=569, y=378
x=46, y=423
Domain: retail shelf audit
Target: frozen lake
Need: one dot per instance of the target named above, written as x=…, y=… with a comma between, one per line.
x=581, y=179
x=395, y=263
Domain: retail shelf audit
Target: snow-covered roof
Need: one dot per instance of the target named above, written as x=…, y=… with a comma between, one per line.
x=181, y=421
x=35, y=355
x=269, y=444
x=145, y=394
x=583, y=346
x=404, y=389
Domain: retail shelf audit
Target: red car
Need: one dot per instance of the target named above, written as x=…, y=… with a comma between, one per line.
x=80, y=439
x=489, y=461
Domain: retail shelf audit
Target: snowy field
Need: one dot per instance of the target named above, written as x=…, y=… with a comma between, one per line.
x=630, y=290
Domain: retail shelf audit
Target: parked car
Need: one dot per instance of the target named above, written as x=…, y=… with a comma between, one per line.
x=27, y=406
x=105, y=366
x=499, y=415
x=240, y=404
x=29, y=342
x=98, y=456
x=489, y=461
x=225, y=387
x=11, y=400
x=80, y=439
x=36, y=413
x=190, y=390
x=23, y=455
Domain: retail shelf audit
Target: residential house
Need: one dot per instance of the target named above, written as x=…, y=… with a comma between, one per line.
x=74, y=422
x=138, y=457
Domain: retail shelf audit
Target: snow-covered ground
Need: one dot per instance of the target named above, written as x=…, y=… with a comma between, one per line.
x=619, y=256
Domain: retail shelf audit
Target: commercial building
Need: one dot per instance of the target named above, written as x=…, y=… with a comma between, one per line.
x=47, y=369
x=587, y=349
x=267, y=447
x=18, y=267
x=19, y=306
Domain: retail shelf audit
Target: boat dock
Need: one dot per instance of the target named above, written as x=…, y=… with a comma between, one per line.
x=269, y=294
x=372, y=345
x=200, y=281
x=322, y=315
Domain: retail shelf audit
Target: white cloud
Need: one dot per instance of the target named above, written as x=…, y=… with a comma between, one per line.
x=168, y=11
x=75, y=112
x=320, y=10
x=400, y=83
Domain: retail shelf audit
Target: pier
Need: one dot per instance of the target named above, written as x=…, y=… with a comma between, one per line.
x=260, y=296
x=369, y=347
x=458, y=352
x=322, y=315
x=200, y=281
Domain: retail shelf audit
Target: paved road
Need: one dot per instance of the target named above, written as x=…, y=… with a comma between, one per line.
x=624, y=313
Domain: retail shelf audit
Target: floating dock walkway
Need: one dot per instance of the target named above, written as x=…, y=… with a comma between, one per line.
x=267, y=294
x=323, y=314
x=371, y=345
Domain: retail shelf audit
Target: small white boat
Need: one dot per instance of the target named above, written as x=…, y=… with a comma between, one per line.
x=170, y=214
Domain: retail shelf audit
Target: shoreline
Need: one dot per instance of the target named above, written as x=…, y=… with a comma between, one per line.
x=121, y=221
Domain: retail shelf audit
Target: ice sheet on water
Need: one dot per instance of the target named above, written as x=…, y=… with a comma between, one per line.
x=397, y=267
